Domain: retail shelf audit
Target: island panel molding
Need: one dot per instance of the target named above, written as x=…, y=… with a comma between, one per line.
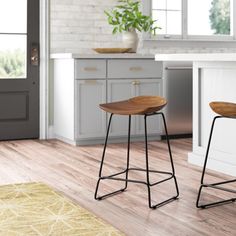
x=214, y=79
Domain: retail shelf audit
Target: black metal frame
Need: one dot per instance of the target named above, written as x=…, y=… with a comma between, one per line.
x=213, y=185
x=147, y=170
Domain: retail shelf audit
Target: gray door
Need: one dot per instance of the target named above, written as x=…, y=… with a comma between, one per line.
x=19, y=69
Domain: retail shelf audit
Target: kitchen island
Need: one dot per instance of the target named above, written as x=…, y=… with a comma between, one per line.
x=214, y=79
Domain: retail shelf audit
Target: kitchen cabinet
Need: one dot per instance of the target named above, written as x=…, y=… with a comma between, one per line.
x=125, y=88
x=120, y=90
x=151, y=87
x=90, y=120
x=82, y=82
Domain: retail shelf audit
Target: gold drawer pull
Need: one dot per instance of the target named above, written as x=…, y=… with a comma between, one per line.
x=90, y=69
x=89, y=81
x=136, y=82
x=136, y=68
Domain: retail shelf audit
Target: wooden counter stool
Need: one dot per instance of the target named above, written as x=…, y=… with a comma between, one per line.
x=146, y=106
x=224, y=110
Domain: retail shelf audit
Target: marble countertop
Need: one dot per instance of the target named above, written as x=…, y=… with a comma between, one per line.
x=196, y=57
x=101, y=56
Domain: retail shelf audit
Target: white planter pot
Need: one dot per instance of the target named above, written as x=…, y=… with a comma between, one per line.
x=130, y=40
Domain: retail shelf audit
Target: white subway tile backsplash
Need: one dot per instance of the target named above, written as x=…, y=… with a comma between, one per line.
x=79, y=25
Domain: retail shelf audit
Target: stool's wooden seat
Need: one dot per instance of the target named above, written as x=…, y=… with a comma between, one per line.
x=226, y=109
x=135, y=106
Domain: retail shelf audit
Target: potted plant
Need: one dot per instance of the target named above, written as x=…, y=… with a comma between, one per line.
x=127, y=18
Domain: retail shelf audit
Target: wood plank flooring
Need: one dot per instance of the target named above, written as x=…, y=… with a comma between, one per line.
x=74, y=170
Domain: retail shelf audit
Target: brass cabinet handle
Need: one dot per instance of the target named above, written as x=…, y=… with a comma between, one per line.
x=135, y=82
x=90, y=81
x=91, y=69
x=136, y=68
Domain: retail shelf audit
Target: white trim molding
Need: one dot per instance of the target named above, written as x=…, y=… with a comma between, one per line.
x=44, y=67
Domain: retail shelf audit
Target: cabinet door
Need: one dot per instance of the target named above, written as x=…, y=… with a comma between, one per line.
x=90, y=119
x=120, y=90
x=150, y=87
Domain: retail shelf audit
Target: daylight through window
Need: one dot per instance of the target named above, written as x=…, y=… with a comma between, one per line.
x=188, y=18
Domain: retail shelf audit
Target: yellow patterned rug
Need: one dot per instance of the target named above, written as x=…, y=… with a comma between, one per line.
x=34, y=209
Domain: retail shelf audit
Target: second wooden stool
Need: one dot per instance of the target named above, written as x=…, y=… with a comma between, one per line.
x=224, y=110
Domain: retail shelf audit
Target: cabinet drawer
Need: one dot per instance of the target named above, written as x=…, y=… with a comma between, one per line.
x=90, y=69
x=134, y=69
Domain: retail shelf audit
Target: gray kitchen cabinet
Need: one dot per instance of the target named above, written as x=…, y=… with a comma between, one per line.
x=151, y=87
x=120, y=90
x=82, y=82
x=90, y=120
x=126, y=88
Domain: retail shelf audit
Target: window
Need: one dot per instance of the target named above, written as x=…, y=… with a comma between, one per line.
x=199, y=19
x=168, y=16
x=13, y=38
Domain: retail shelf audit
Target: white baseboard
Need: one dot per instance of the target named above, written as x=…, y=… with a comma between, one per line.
x=51, y=134
x=212, y=164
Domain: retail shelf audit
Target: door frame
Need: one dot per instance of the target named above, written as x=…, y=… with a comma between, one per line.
x=44, y=68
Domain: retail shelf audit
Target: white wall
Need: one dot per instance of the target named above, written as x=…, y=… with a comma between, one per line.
x=79, y=25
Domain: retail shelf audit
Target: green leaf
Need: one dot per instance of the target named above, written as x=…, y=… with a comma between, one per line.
x=126, y=15
x=115, y=30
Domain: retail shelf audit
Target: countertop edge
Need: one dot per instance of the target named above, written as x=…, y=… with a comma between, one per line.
x=197, y=57
x=101, y=56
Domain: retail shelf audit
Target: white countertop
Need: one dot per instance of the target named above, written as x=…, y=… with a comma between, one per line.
x=101, y=56
x=196, y=57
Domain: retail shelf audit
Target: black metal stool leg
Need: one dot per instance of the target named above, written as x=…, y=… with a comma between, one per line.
x=147, y=164
x=170, y=154
x=172, y=175
x=214, y=185
x=205, y=163
x=208, y=148
x=128, y=152
x=102, y=161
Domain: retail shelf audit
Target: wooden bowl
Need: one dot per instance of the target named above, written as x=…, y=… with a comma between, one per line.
x=111, y=50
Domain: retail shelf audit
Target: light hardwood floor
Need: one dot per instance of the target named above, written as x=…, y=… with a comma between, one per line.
x=74, y=170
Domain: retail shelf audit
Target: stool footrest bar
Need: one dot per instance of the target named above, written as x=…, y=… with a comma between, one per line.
x=216, y=203
x=220, y=188
x=152, y=171
x=215, y=186
x=124, y=180
x=220, y=183
x=112, y=177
